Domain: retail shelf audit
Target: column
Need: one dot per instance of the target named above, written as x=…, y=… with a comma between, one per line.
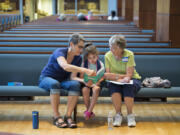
x=21, y=10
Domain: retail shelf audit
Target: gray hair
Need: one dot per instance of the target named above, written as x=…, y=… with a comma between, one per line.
x=118, y=40
x=76, y=38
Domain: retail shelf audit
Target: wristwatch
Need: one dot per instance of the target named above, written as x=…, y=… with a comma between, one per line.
x=117, y=77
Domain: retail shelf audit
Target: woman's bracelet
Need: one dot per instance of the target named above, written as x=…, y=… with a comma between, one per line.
x=117, y=77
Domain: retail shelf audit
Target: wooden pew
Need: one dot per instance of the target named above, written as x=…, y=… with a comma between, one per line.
x=130, y=44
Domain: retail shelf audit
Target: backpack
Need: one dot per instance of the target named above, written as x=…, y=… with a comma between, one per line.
x=156, y=82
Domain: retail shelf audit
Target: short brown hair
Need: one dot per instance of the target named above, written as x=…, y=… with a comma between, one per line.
x=76, y=38
x=89, y=48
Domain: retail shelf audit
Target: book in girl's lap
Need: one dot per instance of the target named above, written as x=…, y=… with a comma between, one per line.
x=92, y=62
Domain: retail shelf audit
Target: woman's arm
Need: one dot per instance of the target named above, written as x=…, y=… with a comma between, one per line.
x=71, y=68
x=129, y=74
x=112, y=76
x=119, y=77
x=81, y=79
x=74, y=77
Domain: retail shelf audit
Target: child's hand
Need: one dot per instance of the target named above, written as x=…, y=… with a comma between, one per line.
x=89, y=83
x=103, y=78
x=98, y=84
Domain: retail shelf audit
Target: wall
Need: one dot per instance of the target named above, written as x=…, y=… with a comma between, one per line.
x=123, y=8
x=147, y=14
x=119, y=8
x=60, y=6
x=174, y=23
x=112, y=5
x=45, y=6
x=129, y=10
x=29, y=9
x=104, y=6
x=162, y=29
x=136, y=12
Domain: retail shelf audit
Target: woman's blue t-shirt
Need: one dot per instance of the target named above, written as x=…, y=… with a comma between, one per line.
x=54, y=70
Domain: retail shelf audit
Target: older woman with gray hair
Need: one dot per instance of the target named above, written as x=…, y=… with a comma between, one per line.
x=120, y=66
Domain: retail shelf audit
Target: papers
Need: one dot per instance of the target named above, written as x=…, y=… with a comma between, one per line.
x=120, y=83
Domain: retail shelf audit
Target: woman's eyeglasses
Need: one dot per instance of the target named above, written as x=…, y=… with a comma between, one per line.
x=80, y=47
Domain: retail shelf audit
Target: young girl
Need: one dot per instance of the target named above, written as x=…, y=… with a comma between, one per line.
x=92, y=62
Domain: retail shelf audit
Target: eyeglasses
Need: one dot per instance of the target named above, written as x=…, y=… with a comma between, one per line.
x=80, y=47
x=112, y=47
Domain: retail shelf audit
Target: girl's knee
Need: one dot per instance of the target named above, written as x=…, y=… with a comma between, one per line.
x=96, y=89
x=85, y=89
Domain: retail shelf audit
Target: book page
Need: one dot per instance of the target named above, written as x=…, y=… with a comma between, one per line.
x=121, y=83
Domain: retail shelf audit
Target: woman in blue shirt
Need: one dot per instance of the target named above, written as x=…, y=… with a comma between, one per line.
x=61, y=73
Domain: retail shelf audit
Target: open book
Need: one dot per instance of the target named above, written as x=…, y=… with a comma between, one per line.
x=121, y=83
x=96, y=78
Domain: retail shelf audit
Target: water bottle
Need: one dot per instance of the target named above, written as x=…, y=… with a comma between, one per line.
x=110, y=121
x=35, y=119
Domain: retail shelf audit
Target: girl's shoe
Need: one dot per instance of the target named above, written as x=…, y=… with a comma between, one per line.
x=92, y=115
x=88, y=115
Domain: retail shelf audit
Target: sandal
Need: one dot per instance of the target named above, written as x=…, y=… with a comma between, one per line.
x=70, y=122
x=59, y=124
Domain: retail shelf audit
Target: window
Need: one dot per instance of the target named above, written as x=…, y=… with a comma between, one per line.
x=66, y=7
x=9, y=7
x=97, y=7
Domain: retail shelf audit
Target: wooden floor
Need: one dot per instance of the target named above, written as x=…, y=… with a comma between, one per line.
x=152, y=119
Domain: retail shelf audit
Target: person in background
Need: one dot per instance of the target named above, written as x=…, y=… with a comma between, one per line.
x=81, y=17
x=62, y=17
x=90, y=15
x=113, y=16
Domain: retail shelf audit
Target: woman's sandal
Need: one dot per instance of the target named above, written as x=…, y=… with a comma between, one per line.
x=58, y=124
x=70, y=122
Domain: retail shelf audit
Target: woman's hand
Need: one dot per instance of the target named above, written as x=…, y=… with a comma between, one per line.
x=126, y=80
x=90, y=72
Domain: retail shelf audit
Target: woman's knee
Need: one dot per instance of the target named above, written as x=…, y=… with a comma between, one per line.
x=50, y=84
x=54, y=87
x=74, y=88
x=75, y=85
x=131, y=90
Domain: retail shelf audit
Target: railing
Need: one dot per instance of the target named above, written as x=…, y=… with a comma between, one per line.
x=8, y=21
